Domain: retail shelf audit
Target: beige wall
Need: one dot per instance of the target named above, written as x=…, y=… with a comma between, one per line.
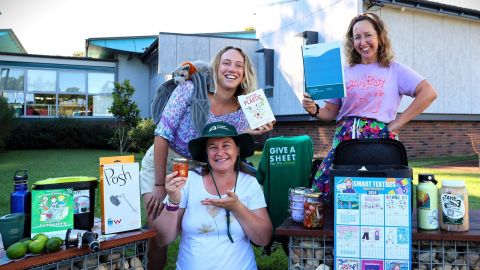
x=445, y=50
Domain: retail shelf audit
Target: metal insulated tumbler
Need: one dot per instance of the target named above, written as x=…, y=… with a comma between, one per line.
x=427, y=202
x=21, y=198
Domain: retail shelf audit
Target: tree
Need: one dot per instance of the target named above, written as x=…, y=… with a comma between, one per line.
x=126, y=113
x=6, y=119
x=78, y=54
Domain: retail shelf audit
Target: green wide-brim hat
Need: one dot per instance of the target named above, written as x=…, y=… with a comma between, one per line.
x=198, y=146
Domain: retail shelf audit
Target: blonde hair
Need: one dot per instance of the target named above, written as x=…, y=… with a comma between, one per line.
x=385, y=53
x=249, y=82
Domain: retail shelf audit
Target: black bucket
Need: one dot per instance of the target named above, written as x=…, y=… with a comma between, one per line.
x=84, y=197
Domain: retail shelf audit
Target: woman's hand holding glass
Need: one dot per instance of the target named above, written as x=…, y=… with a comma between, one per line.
x=173, y=185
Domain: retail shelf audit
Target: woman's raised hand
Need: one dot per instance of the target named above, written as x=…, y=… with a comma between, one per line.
x=308, y=103
x=173, y=185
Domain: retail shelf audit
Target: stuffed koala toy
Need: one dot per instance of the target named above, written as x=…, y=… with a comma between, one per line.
x=186, y=69
x=182, y=73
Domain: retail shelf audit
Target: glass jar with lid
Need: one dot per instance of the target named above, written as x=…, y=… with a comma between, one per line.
x=313, y=207
x=453, y=215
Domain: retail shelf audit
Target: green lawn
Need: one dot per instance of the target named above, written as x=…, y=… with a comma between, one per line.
x=43, y=164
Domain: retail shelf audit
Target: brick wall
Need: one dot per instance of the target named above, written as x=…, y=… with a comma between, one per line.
x=421, y=138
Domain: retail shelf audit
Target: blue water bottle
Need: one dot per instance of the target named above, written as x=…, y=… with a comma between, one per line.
x=21, y=199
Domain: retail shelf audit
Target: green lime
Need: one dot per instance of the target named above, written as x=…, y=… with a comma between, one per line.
x=58, y=239
x=26, y=242
x=16, y=251
x=53, y=245
x=36, y=246
x=40, y=236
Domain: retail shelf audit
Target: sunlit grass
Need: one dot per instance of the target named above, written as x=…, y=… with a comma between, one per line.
x=44, y=164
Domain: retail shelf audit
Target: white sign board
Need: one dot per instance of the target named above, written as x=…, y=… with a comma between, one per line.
x=120, y=189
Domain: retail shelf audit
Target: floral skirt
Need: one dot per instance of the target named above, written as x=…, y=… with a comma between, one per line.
x=346, y=129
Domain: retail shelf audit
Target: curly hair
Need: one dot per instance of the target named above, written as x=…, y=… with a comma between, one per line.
x=385, y=52
x=249, y=82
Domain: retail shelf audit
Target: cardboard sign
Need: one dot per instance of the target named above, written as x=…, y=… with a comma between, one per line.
x=120, y=192
x=52, y=211
x=114, y=160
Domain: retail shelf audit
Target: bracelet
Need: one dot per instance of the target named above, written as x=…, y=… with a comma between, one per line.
x=172, y=203
x=159, y=185
x=171, y=207
x=315, y=114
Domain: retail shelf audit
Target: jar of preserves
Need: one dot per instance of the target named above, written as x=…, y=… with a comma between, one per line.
x=454, y=206
x=313, y=211
x=180, y=165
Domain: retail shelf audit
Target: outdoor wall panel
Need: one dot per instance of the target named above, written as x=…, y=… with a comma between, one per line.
x=191, y=48
x=428, y=53
x=167, y=53
x=134, y=70
x=456, y=52
x=474, y=68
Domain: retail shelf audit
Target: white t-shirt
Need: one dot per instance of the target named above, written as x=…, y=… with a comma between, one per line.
x=204, y=243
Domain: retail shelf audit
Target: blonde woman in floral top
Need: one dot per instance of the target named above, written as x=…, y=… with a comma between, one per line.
x=233, y=75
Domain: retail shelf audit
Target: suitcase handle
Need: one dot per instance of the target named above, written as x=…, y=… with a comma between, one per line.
x=372, y=174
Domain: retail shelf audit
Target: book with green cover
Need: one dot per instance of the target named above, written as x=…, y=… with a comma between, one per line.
x=52, y=211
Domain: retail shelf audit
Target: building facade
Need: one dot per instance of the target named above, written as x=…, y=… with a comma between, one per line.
x=438, y=40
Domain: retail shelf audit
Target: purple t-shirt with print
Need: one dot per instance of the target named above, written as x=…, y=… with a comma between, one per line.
x=176, y=126
x=375, y=92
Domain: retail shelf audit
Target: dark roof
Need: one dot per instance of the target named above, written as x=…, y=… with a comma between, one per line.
x=430, y=6
x=9, y=42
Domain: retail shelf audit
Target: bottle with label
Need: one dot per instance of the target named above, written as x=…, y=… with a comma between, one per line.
x=427, y=202
x=21, y=198
x=454, y=206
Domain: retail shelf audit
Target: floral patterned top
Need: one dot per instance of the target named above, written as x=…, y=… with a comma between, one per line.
x=176, y=126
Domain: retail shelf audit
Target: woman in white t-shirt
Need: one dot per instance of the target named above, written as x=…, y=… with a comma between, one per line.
x=219, y=209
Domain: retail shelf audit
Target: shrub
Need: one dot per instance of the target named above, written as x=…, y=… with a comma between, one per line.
x=142, y=135
x=6, y=120
x=59, y=133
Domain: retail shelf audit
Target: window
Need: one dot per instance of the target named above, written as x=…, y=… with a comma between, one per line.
x=41, y=80
x=71, y=82
x=72, y=105
x=100, y=83
x=98, y=105
x=41, y=104
x=16, y=99
x=57, y=90
x=11, y=78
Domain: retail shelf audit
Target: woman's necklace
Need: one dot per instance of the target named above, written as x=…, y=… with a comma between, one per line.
x=220, y=196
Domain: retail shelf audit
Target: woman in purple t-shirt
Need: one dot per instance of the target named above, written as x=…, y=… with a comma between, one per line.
x=375, y=84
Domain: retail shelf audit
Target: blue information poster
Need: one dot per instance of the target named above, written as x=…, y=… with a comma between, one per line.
x=372, y=223
x=323, y=70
